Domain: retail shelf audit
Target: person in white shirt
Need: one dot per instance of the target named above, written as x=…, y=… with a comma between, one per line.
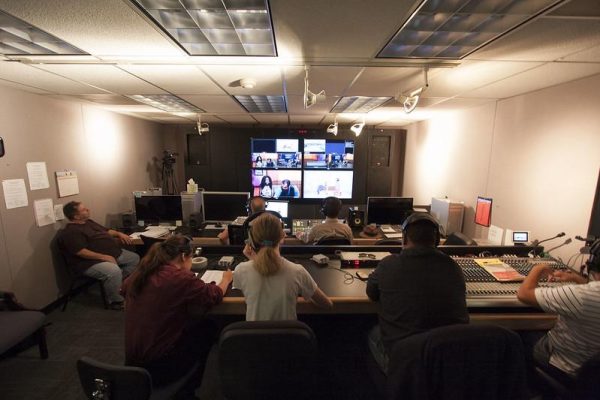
x=332, y=228
x=270, y=283
x=574, y=338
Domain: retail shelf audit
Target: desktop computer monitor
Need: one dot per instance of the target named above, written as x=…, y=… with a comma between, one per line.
x=159, y=208
x=279, y=206
x=388, y=210
x=224, y=206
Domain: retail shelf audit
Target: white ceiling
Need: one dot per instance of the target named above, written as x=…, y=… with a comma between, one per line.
x=337, y=39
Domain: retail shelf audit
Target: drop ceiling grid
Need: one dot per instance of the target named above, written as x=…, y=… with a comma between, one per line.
x=176, y=79
x=107, y=77
x=214, y=104
x=268, y=78
x=386, y=81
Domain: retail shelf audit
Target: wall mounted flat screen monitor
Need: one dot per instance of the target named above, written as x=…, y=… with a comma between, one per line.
x=154, y=209
x=483, y=211
x=521, y=237
x=328, y=154
x=388, y=210
x=319, y=184
x=276, y=153
x=277, y=183
x=224, y=206
x=278, y=206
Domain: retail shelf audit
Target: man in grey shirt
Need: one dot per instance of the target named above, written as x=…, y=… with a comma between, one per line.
x=330, y=208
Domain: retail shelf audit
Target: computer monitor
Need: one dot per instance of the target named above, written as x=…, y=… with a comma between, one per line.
x=158, y=208
x=279, y=206
x=388, y=210
x=520, y=237
x=224, y=206
x=483, y=211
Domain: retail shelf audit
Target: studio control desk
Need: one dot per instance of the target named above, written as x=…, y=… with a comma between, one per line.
x=488, y=301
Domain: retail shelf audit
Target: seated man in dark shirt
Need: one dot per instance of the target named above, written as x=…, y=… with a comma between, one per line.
x=287, y=190
x=419, y=289
x=92, y=249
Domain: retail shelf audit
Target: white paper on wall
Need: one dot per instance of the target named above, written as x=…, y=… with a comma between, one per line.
x=15, y=194
x=58, y=212
x=67, y=183
x=38, y=175
x=495, y=234
x=44, y=212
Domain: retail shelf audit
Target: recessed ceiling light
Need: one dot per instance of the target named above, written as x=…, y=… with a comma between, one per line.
x=263, y=104
x=205, y=28
x=166, y=102
x=19, y=37
x=454, y=29
x=358, y=104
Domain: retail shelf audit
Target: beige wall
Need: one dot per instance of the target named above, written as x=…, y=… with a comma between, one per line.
x=537, y=155
x=112, y=154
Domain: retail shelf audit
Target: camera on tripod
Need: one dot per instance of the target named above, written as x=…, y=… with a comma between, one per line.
x=168, y=157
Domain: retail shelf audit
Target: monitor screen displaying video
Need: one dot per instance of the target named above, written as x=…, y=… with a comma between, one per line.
x=279, y=206
x=321, y=184
x=277, y=184
x=328, y=154
x=276, y=153
x=159, y=208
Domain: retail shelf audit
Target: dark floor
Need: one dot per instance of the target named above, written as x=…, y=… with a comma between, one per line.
x=86, y=328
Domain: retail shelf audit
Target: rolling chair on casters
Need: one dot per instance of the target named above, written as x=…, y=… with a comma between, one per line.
x=333, y=241
x=117, y=382
x=267, y=360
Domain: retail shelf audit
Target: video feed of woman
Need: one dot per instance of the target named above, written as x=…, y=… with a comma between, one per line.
x=328, y=154
x=276, y=184
x=319, y=184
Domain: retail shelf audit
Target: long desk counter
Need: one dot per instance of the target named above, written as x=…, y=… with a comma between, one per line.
x=348, y=292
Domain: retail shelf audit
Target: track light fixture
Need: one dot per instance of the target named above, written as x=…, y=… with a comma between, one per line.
x=409, y=101
x=358, y=127
x=333, y=128
x=311, y=98
x=202, y=127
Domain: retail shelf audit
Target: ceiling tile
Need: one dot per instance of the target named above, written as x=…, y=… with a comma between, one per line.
x=25, y=88
x=214, y=104
x=107, y=77
x=305, y=119
x=588, y=55
x=334, y=80
x=545, y=76
x=32, y=76
x=280, y=119
x=386, y=81
x=238, y=118
x=180, y=79
x=268, y=78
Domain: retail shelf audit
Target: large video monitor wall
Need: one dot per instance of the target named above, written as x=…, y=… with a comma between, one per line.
x=302, y=168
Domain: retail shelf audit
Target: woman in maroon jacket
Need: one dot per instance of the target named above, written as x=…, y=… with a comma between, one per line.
x=160, y=335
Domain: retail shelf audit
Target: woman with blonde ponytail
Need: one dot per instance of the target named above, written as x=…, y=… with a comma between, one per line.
x=270, y=283
x=160, y=335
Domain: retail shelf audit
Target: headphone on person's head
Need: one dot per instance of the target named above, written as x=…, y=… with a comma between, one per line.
x=328, y=202
x=249, y=203
x=248, y=227
x=421, y=217
x=593, y=262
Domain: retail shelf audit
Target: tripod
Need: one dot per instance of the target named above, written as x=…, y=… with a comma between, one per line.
x=169, y=183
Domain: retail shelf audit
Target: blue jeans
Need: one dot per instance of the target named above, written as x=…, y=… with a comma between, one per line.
x=112, y=275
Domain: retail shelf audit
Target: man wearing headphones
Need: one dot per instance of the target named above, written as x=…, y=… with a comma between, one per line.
x=574, y=338
x=330, y=208
x=419, y=289
x=254, y=205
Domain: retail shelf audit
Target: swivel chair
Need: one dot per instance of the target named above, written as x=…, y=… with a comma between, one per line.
x=115, y=382
x=459, y=361
x=267, y=360
x=333, y=241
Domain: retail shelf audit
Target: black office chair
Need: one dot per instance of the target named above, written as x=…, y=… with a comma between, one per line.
x=19, y=324
x=106, y=381
x=333, y=241
x=460, y=361
x=267, y=360
x=389, y=242
x=75, y=277
x=147, y=242
x=555, y=384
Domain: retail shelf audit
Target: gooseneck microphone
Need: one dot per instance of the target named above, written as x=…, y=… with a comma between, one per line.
x=537, y=242
x=560, y=245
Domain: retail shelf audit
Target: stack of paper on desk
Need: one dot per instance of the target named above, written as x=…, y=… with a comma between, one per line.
x=499, y=270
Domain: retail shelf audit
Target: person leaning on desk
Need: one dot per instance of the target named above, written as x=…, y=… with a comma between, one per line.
x=160, y=334
x=576, y=336
x=270, y=283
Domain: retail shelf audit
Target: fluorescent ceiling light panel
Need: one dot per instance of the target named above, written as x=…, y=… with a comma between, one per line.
x=358, y=104
x=215, y=27
x=263, y=104
x=166, y=102
x=453, y=29
x=19, y=37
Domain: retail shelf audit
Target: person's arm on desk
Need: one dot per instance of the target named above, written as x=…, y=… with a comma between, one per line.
x=526, y=293
x=224, y=236
x=92, y=255
x=123, y=238
x=320, y=299
x=373, y=286
x=226, y=280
